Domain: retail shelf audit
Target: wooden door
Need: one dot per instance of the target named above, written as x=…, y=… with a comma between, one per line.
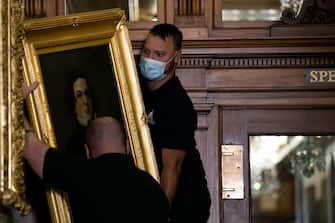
x=238, y=124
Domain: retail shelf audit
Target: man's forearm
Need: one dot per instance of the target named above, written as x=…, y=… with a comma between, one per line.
x=169, y=183
x=34, y=151
x=172, y=162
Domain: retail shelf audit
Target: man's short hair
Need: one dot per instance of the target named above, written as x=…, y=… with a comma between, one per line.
x=165, y=30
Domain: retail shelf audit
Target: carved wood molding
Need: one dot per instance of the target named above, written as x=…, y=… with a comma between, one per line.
x=257, y=62
x=34, y=8
x=203, y=107
x=214, y=44
x=190, y=7
x=43, y=8
x=309, y=11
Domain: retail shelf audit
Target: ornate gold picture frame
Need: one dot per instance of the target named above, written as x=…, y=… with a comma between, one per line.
x=96, y=43
x=12, y=188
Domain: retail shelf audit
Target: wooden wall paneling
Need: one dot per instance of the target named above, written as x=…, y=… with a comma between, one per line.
x=234, y=59
x=233, y=125
x=193, y=78
x=61, y=7
x=189, y=7
x=161, y=10
x=305, y=30
x=207, y=134
x=137, y=35
x=213, y=150
x=190, y=21
x=189, y=13
x=207, y=137
x=279, y=60
x=308, y=121
x=170, y=9
x=235, y=76
x=280, y=100
x=44, y=8
x=35, y=8
x=287, y=48
x=210, y=17
x=272, y=79
x=200, y=33
x=215, y=6
x=181, y=7
x=268, y=30
x=189, y=10
x=237, y=33
x=196, y=8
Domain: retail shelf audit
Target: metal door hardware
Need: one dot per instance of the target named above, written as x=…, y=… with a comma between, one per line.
x=232, y=171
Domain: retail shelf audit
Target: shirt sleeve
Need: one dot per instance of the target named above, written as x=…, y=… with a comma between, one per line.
x=61, y=170
x=176, y=129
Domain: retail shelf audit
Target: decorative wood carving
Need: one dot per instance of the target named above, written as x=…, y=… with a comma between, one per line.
x=34, y=8
x=43, y=8
x=309, y=11
x=263, y=61
x=189, y=7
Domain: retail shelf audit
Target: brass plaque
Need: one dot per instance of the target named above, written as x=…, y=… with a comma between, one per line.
x=232, y=171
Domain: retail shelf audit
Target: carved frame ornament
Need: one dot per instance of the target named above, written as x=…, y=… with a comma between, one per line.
x=12, y=188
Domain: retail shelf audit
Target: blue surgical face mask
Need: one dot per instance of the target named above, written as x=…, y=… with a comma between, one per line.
x=152, y=70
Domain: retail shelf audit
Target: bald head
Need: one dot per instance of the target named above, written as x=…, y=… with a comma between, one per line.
x=105, y=135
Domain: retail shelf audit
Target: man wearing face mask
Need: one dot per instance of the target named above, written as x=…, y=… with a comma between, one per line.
x=173, y=121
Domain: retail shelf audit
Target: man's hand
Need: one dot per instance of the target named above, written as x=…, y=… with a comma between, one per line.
x=28, y=89
x=27, y=125
x=34, y=150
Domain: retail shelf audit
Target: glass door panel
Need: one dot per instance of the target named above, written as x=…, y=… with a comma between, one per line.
x=252, y=10
x=292, y=179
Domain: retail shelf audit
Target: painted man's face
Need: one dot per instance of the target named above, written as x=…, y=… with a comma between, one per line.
x=83, y=102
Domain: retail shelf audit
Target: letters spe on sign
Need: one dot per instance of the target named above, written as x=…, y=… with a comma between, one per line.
x=319, y=76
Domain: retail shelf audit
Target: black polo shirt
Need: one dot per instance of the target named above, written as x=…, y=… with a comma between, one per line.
x=173, y=121
x=108, y=188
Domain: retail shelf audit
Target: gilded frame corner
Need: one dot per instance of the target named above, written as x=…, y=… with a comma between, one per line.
x=12, y=187
x=75, y=32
